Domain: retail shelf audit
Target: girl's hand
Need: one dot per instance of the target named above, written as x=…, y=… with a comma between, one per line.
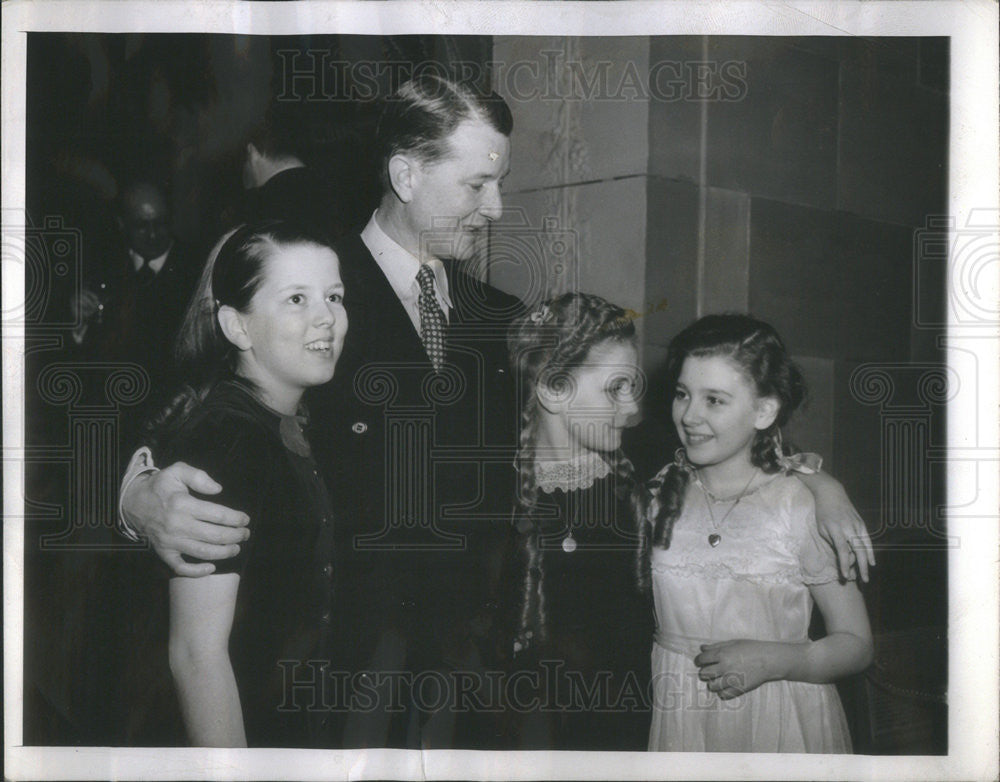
x=732, y=668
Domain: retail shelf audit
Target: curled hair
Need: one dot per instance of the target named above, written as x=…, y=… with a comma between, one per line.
x=231, y=277
x=665, y=498
x=754, y=348
x=420, y=116
x=545, y=346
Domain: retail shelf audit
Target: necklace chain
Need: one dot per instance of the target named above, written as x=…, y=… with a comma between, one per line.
x=715, y=538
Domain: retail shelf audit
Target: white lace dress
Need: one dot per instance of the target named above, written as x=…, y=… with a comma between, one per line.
x=754, y=584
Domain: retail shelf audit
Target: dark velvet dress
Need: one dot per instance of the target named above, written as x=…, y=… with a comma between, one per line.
x=593, y=665
x=281, y=629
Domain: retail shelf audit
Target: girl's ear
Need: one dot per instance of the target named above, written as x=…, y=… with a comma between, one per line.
x=767, y=411
x=231, y=323
x=402, y=171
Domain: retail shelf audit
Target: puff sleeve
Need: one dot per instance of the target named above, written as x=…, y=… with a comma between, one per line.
x=817, y=560
x=233, y=451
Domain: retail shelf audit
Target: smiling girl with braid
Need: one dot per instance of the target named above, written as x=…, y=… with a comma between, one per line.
x=736, y=561
x=579, y=613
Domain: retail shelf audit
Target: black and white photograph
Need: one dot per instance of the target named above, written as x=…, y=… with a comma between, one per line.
x=501, y=390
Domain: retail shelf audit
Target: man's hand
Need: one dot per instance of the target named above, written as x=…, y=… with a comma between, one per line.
x=840, y=524
x=84, y=305
x=160, y=507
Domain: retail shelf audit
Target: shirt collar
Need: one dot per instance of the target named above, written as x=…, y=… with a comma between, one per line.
x=156, y=264
x=399, y=266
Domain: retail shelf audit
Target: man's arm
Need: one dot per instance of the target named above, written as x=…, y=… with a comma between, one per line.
x=156, y=505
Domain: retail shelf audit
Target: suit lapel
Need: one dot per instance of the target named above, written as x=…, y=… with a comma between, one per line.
x=379, y=327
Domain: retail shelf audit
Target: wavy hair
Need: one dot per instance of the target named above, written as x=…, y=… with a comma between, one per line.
x=758, y=351
x=545, y=347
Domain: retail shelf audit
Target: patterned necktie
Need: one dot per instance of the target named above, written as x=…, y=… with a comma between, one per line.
x=432, y=321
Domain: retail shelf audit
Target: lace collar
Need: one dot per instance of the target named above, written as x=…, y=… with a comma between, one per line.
x=579, y=472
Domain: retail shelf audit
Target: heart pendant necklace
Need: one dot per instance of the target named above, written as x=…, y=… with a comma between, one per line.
x=715, y=536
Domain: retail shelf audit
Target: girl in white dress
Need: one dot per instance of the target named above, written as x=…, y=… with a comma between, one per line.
x=735, y=561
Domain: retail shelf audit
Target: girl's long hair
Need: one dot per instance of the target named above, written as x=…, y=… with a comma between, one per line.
x=545, y=347
x=759, y=352
x=231, y=277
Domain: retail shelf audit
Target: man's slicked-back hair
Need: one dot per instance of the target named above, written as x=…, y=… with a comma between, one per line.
x=280, y=132
x=420, y=116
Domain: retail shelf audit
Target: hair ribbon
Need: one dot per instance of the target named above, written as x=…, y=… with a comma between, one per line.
x=542, y=316
x=805, y=463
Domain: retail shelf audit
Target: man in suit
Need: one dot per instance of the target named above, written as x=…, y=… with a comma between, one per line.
x=132, y=304
x=147, y=249
x=417, y=430
x=279, y=185
x=423, y=422
x=128, y=312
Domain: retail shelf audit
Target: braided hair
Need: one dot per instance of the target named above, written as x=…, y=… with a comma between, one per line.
x=757, y=350
x=545, y=347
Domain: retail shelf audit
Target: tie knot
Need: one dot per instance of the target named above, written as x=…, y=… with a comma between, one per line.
x=145, y=273
x=425, y=279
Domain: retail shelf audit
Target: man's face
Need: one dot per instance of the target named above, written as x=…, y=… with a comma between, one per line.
x=456, y=197
x=146, y=222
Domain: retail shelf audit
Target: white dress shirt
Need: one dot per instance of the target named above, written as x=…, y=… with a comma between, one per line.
x=79, y=333
x=400, y=268
x=156, y=264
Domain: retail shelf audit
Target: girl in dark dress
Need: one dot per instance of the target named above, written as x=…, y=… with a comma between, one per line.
x=583, y=629
x=267, y=322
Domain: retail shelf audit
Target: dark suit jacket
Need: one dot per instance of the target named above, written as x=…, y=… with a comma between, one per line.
x=140, y=322
x=300, y=195
x=419, y=462
x=138, y=325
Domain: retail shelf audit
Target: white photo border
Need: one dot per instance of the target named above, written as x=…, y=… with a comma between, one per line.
x=972, y=432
